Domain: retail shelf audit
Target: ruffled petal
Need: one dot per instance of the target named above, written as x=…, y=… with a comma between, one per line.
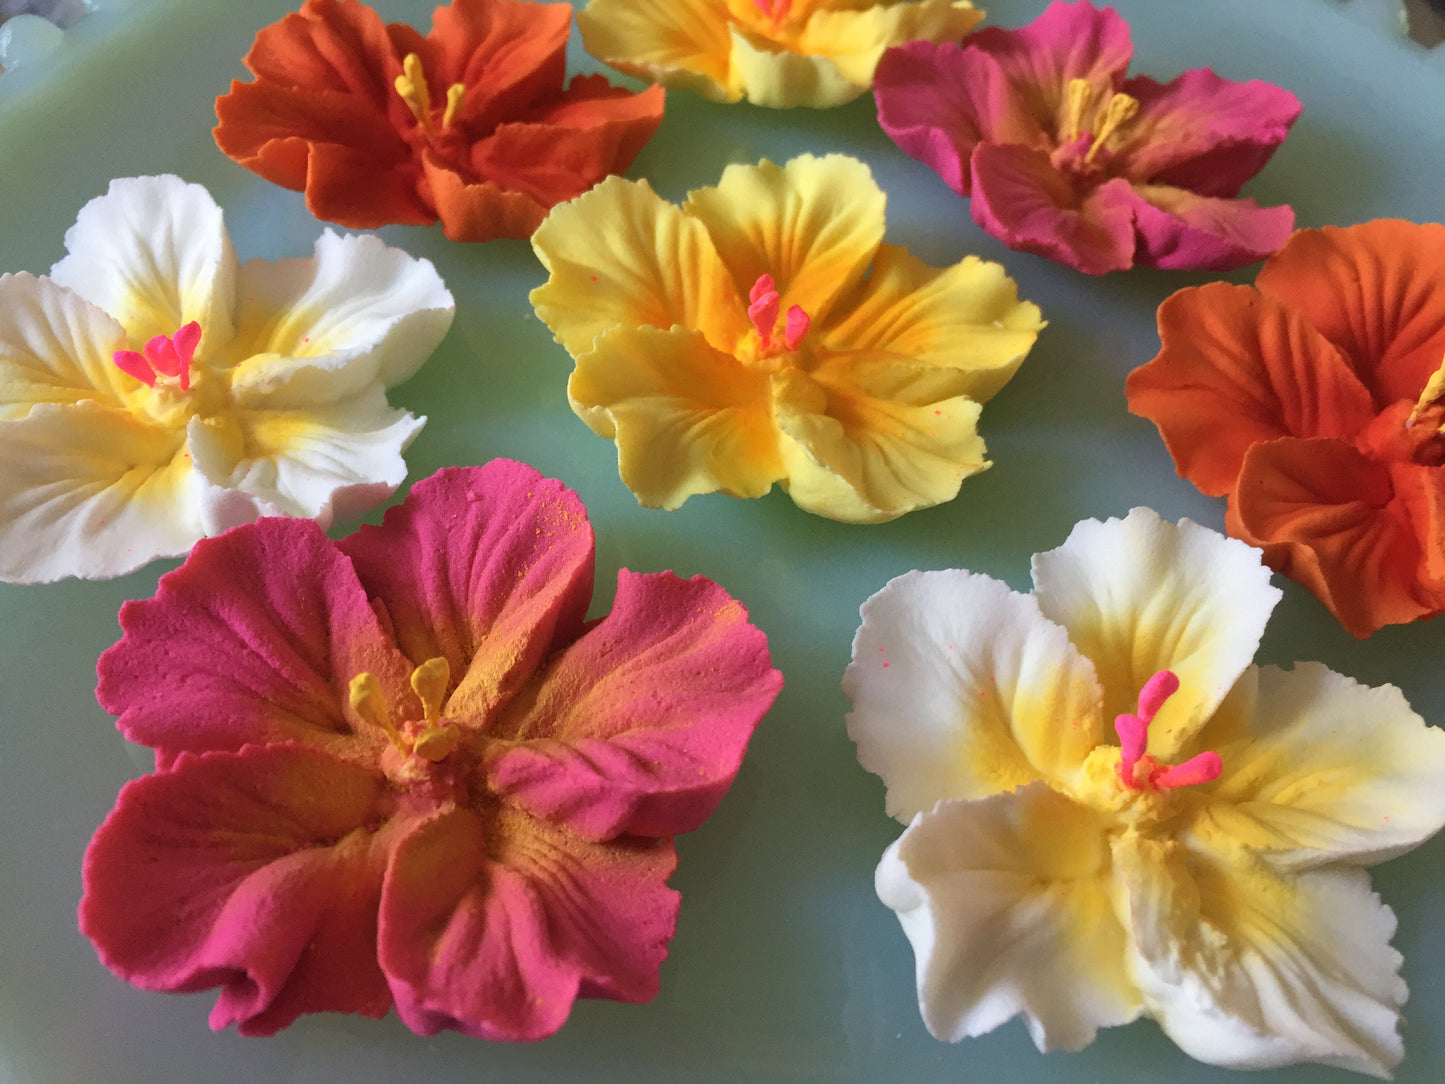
x=1020, y=198
x=1006, y=901
x=813, y=224
x=1320, y=769
x=679, y=43
x=1181, y=231
x=153, y=252
x=256, y=872
x=854, y=38
x=1250, y=970
x=488, y=567
x=961, y=688
x=356, y=314
x=56, y=347
x=1237, y=368
x=640, y=726
x=1326, y=517
x=966, y=318
x=620, y=256
x=507, y=55
x=774, y=76
x=91, y=491
x=257, y=635
x=1372, y=290
x=1139, y=595
x=495, y=927
x=687, y=418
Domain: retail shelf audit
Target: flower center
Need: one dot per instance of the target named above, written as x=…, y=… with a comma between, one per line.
x=411, y=85
x=429, y=738
x=167, y=356
x=1081, y=101
x=774, y=10
x=1137, y=769
x=763, y=305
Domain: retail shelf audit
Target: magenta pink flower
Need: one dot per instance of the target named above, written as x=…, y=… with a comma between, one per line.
x=403, y=768
x=1063, y=156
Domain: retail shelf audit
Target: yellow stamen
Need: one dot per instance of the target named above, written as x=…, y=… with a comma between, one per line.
x=1077, y=94
x=437, y=743
x=369, y=702
x=411, y=85
x=429, y=682
x=1119, y=111
x=1430, y=407
x=456, y=96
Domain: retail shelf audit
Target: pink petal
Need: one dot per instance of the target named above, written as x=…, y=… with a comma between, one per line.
x=1022, y=200
x=489, y=567
x=253, y=639
x=641, y=725
x=1203, y=133
x=494, y=929
x=251, y=871
x=1181, y=231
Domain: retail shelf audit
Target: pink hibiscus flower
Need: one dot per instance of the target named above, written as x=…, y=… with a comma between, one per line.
x=403, y=768
x=1064, y=157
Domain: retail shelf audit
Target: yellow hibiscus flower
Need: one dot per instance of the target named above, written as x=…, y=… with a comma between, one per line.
x=778, y=53
x=762, y=333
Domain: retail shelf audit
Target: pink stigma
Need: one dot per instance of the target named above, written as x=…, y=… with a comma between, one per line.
x=777, y=10
x=764, y=303
x=165, y=355
x=1133, y=731
x=796, y=327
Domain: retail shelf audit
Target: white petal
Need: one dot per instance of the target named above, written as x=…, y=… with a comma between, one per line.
x=329, y=463
x=320, y=330
x=1250, y=970
x=961, y=688
x=1319, y=768
x=89, y=491
x=1139, y=595
x=1006, y=901
x=153, y=252
x=55, y=347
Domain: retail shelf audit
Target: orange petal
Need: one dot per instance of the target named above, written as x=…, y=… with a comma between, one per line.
x=1374, y=291
x=1237, y=368
x=479, y=212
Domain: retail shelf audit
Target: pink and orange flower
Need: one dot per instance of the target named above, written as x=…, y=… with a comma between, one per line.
x=470, y=124
x=403, y=768
x=1061, y=155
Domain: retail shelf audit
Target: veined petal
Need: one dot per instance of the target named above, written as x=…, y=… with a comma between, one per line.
x=1139, y=595
x=961, y=688
x=250, y=871
x=153, y=252
x=1371, y=290
x=1179, y=230
x=1237, y=368
x=356, y=314
x=508, y=56
x=640, y=726
x=91, y=491
x=495, y=928
x=55, y=347
x=779, y=78
x=489, y=568
x=813, y=224
x=1006, y=902
x=853, y=40
x=1251, y=970
x=1321, y=769
x=257, y=636
x=866, y=439
x=678, y=43
x=687, y=418
x=966, y=318
x=621, y=256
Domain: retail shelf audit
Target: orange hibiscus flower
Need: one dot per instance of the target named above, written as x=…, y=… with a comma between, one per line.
x=470, y=124
x=1315, y=401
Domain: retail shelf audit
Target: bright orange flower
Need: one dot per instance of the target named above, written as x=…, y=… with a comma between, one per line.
x=470, y=124
x=1315, y=401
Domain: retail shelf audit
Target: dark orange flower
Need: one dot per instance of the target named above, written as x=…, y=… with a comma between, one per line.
x=470, y=124
x=1315, y=401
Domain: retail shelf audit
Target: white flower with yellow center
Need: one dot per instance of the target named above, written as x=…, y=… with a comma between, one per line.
x=1111, y=813
x=153, y=390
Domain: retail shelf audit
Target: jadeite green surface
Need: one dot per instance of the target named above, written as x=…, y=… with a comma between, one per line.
x=785, y=966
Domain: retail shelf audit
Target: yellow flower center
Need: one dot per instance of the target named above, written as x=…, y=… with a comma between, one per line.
x=411, y=85
x=1081, y=102
x=764, y=304
x=429, y=738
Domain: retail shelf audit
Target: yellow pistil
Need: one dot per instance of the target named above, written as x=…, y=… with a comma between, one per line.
x=1078, y=94
x=1119, y=111
x=369, y=702
x=411, y=85
x=1430, y=407
x=434, y=741
x=456, y=96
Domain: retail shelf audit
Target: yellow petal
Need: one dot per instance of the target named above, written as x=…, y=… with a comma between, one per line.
x=854, y=40
x=56, y=347
x=776, y=77
x=678, y=43
x=619, y=255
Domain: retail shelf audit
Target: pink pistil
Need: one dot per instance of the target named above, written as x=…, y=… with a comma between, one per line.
x=165, y=355
x=1133, y=731
x=764, y=303
x=796, y=327
x=776, y=10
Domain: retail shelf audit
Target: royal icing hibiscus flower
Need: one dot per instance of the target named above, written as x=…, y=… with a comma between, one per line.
x=1112, y=814
x=777, y=53
x=1062, y=156
x=1315, y=401
x=153, y=390
x=403, y=768
x=471, y=124
x=762, y=333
